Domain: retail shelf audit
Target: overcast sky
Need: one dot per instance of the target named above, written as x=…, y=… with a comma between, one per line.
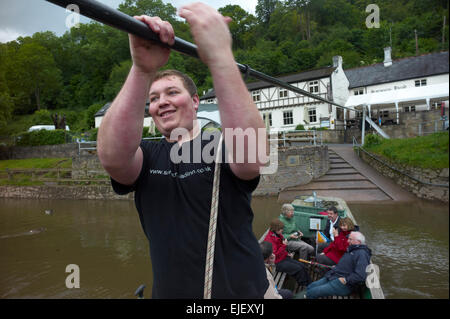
x=25, y=17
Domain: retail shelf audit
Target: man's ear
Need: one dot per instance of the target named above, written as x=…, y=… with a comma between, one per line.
x=196, y=101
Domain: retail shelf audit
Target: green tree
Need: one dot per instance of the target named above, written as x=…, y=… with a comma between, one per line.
x=33, y=73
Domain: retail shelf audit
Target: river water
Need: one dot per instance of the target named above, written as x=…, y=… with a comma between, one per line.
x=409, y=241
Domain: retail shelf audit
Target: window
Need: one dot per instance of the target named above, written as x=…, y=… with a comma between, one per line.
x=312, y=115
x=421, y=82
x=288, y=118
x=270, y=118
x=256, y=96
x=358, y=91
x=314, y=87
x=283, y=93
x=411, y=108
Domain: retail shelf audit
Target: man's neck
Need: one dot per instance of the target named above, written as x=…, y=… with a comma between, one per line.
x=188, y=136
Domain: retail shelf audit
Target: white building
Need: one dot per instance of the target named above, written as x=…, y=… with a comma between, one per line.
x=285, y=109
x=411, y=84
x=388, y=89
x=420, y=83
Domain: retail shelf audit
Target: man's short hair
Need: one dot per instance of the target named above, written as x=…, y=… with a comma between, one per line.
x=333, y=209
x=359, y=237
x=266, y=249
x=276, y=225
x=186, y=79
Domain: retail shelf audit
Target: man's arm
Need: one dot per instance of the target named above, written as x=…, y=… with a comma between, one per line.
x=120, y=132
x=237, y=110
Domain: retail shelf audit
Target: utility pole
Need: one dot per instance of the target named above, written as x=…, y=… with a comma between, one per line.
x=417, y=44
x=443, y=35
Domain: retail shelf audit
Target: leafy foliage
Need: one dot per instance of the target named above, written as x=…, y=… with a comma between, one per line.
x=87, y=66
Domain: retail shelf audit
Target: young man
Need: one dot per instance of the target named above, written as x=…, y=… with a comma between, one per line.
x=173, y=199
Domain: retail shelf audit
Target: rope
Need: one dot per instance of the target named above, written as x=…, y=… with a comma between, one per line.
x=212, y=226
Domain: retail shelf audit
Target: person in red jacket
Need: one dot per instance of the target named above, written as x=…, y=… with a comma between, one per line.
x=283, y=260
x=333, y=253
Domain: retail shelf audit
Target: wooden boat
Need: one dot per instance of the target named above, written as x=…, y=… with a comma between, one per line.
x=307, y=217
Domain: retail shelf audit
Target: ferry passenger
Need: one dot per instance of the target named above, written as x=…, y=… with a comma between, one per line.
x=293, y=234
x=173, y=196
x=348, y=274
x=332, y=222
x=269, y=260
x=333, y=253
x=283, y=259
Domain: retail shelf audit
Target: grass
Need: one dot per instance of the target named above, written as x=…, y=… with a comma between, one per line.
x=431, y=151
x=25, y=179
x=36, y=163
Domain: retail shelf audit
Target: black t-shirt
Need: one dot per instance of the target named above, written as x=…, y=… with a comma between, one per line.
x=174, y=203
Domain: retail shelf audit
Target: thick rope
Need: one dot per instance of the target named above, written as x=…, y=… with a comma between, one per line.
x=212, y=226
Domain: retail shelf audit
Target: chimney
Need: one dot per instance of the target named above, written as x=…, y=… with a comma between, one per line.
x=387, y=56
x=337, y=62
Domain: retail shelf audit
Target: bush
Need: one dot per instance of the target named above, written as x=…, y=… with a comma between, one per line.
x=41, y=137
x=372, y=140
x=299, y=128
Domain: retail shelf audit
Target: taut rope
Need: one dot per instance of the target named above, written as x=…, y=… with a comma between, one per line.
x=212, y=225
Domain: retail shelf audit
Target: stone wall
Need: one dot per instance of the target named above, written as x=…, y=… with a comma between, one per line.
x=296, y=166
x=61, y=192
x=45, y=151
x=432, y=176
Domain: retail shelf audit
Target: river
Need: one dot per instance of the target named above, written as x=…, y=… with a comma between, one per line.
x=409, y=241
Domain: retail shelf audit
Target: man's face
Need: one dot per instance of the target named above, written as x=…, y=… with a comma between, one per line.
x=171, y=105
x=352, y=240
x=331, y=215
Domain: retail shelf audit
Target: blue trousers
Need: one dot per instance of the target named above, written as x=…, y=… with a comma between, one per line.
x=324, y=287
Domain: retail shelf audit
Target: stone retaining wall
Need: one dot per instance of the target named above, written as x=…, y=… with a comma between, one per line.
x=432, y=176
x=296, y=166
x=61, y=192
x=45, y=151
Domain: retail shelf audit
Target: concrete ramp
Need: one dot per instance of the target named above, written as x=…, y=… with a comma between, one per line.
x=350, y=179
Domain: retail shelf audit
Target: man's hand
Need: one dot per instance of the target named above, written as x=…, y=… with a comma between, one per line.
x=148, y=57
x=210, y=31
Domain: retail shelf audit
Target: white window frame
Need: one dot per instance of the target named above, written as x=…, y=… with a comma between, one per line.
x=358, y=91
x=283, y=93
x=270, y=118
x=420, y=82
x=312, y=114
x=313, y=86
x=256, y=95
x=287, y=118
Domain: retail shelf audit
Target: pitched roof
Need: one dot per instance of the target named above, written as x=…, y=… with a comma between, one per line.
x=291, y=78
x=105, y=108
x=401, y=69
